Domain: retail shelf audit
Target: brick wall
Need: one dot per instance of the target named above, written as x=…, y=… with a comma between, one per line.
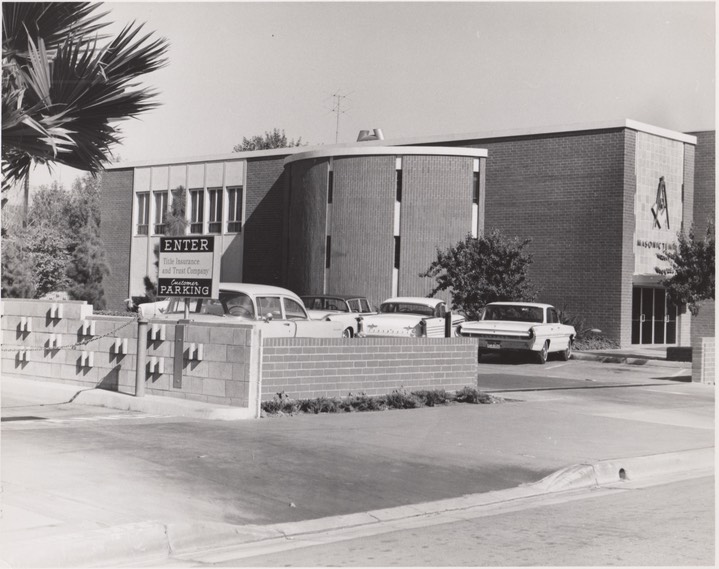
x=116, y=233
x=568, y=193
x=704, y=180
x=266, y=193
x=309, y=367
x=703, y=343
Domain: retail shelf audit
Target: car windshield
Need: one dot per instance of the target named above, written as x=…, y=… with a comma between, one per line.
x=514, y=313
x=406, y=308
x=232, y=303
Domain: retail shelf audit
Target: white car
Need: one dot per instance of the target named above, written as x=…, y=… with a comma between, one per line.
x=278, y=312
x=411, y=317
x=521, y=326
x=342, y=308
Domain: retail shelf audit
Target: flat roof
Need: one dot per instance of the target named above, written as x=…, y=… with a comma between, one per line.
x=360, y=149
x=356, y=148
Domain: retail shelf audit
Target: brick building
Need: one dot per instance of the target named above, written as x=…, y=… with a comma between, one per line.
x=598, y=202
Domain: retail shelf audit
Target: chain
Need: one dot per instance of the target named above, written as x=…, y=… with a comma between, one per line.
x=76, y=346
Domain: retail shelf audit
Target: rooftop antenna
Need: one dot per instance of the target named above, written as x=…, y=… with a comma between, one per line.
x=337, y=108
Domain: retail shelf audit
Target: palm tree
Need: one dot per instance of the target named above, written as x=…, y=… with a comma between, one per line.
x=64, y=84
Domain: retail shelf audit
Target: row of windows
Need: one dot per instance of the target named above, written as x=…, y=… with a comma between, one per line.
x=213, y=200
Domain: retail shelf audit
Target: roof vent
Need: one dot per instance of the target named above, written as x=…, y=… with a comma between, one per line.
x=365, y=135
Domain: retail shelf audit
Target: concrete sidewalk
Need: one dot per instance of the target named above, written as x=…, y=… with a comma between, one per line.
x=108, y=502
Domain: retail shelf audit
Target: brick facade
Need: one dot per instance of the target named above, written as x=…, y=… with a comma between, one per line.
x=264, y=227
x=571, y=194
x=704, y=180
x=309, y=367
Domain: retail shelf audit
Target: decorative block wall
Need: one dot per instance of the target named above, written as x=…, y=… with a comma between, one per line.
x=79, y=348
x=304, y=368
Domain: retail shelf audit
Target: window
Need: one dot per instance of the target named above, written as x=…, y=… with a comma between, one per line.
x=294, y=310
x=197, y=211
x=330, y=186
x=354, y=305
x=269, y=306
x=398, y=196
x=365, y=305
x=215, y=216
x=552, y=316
x=475, y=187
x=160, y=212
x=328, y=252
x=143, y=213
x=396, y=251
x=234, y=209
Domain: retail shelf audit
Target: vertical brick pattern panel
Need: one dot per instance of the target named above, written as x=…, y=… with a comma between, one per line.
x=362, y=227
x=116, y=233
x=704, y=180
x=308, y=367
x=264, y=234
x=436, y=211
x=624, y=314
x=702, y=339
x=307, y=226
x=689, y=187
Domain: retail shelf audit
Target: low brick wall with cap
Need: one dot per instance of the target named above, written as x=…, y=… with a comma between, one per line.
x=305, y=368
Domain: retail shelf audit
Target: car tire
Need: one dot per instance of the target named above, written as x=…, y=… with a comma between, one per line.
x=543, y=353
x=564, y=355
x=347, y=333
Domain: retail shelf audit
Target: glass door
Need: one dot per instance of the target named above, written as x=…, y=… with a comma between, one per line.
x=654, y=318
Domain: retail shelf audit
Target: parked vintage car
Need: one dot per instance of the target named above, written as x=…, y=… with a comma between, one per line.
x=521, y=327
x=410, y=317
x=344, y=308
x=278, y=312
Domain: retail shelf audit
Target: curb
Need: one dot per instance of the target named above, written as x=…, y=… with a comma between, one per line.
x=61, y=393
x=153, y=541
x=629, y=360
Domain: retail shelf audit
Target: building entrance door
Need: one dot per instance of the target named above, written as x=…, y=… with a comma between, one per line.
x=654, y=318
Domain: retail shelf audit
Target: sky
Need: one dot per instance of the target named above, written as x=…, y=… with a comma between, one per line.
x=238, y=69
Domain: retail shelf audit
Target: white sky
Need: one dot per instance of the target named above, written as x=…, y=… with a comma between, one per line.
x=238, y=69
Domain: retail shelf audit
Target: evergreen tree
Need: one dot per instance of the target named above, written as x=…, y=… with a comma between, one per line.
x=274, y=139
x=16, y=271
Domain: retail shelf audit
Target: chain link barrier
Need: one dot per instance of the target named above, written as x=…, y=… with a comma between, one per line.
x=75, y=346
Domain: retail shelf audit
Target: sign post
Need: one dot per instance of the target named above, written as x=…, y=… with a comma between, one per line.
x=189, y=267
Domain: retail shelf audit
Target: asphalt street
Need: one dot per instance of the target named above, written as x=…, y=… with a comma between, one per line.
x=663, y=525
x=76, y=468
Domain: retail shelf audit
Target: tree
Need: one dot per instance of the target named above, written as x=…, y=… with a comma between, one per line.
x=62, y=91
x=690, y=278
x=16, y=271
x=88, y=266
x=274, y=139
x=481, y=270
x=60, y=249
x=175, y=225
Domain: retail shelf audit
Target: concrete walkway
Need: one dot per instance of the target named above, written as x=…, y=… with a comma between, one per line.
x=100, y=504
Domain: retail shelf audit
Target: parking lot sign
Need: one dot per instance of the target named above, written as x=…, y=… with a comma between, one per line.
x=189, y=267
